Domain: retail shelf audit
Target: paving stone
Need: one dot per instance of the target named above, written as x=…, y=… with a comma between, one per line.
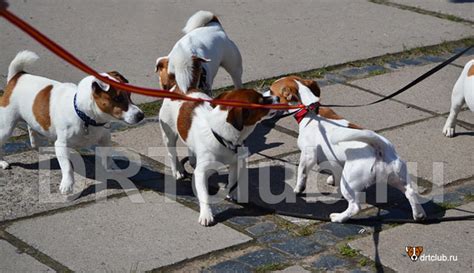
x=13, y=261
x=299, y=221
x=445, y=238
x=415, y=144
x=328, y=262
x=267, y=143
x=244, y=220
x=274, y=237
x=262, y=228
x=125, y=235
x=466, y=189
x=229, y=266
x=368, y=117
x=324, y=238
x=342, y=230
x=466, y=116
x=261, y=257
x=463, y=60
x=298, y=246
x=455, y=198
x=433, y=94
x=459, y=8
x=293, y=269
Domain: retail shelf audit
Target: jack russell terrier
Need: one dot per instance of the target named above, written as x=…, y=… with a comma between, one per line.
x=463, y=92
x=71, y=115
x=213, y=135
x=204, y=36
x=359, y=157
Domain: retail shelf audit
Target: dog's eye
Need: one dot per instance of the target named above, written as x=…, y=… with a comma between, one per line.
x=119, y=99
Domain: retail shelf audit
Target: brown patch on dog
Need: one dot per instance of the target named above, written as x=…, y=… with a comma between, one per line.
x=471, y=71
x=287, y=89
x=41, y=106
x=167, y=80
x=7, y=93
x=328, y=113
x=113, y=102
x=214, y=20
x=185, y=118
x=119, y=77
x=240, y=117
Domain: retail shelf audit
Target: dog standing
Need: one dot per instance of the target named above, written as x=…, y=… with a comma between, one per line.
x=463, y=92
x=359, y=157
x=71, y=115
x=213, y=135
x=196, y=57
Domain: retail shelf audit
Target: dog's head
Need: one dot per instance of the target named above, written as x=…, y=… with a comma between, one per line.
x=167, y=80
x=414, y=252
x=239, y=117
x=287, y=89
x=114, y=103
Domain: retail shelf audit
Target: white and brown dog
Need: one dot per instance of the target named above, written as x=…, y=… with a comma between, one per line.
x=359, y=157
x=212, y=135
x=70, y=115
x=463, y=92
x=204, y=37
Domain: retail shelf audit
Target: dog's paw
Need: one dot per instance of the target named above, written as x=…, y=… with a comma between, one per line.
x=420, y=216
x=330, y=181
x=4, y=165
x=206, y=218
x=66, y=186
x=337, y=217
x=448, y=131
x=179, y=176
x=299, y=188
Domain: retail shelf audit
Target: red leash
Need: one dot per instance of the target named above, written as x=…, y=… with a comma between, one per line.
x=68, y=57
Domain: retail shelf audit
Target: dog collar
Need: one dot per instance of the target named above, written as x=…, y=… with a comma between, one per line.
x=85, y=118
x=313, y=107
x=229, y=145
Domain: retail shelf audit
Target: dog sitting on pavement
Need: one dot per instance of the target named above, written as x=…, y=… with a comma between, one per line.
x=463, y=92
x=72, y=116
x=360, y=158
x=204, y=36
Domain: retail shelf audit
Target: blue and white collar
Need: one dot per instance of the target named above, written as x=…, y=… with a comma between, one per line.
x=87, y=120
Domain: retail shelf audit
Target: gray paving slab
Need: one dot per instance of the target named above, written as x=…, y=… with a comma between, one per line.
x=445, y=238
x=293, y=269
x=26, y=190
x=466, y=116
x=462, y=61
x=463, y=9
x=273, y=39
x=374, y=117
x=433, y=94
x=118, y=235
x=425, y=145
x=13, y=261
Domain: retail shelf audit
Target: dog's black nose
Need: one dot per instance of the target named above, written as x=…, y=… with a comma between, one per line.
x=140, y=116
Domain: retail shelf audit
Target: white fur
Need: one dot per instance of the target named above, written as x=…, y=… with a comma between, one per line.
x=209, y=41
x=363, y=156
x=67, y=129
x=463, y=93
x=203, y=145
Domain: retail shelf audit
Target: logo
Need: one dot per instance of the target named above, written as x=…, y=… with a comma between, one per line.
x=414, y=252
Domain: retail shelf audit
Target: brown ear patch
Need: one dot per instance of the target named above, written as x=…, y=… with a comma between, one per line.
x=471, y=71
x=287, y=89
x=185, y=118
x=328, y=113
x=119, y=77
x=41, y=106
x=113, y=102
x=7, y=93
x=167, y=80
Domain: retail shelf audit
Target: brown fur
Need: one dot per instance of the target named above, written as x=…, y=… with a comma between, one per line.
x=287, y=89
x=471, y=71
x=330, y=114
x=5, y=99
x=167, y=80
x=41, y=107
x=113, y=102
x=185, y=118
x=240, y=117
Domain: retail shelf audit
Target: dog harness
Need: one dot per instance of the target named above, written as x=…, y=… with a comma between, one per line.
x=229, y=145
x=88, y=121
x=313, y=107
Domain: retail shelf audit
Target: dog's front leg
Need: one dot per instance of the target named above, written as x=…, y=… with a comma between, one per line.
x=234, y=173
x=457, y=101
x=62, y=154
x=106, y=161
x=206, y=217
x=307, y=161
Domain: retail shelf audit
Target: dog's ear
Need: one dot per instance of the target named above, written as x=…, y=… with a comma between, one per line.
x=99, y=86
x=237, y=117
x=201, y=59
x=313, y=86
x=407, y=249
x=119, y=77
x=286, y=92
x=161, y=63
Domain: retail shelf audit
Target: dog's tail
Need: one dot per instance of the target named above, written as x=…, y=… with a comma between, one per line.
x=199, y=19
x=21, y=61
x=366, y=136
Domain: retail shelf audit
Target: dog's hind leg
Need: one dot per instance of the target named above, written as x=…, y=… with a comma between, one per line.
x=350, y=195
x=8, y=121
x=404, y=184
x=206, y=218
x=170, y=138
x=233, y=66
x=457, y=101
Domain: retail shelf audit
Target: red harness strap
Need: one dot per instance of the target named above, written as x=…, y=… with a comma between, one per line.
x=314, y=107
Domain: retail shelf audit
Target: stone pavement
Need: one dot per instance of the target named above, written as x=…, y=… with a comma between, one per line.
x=147, y=222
